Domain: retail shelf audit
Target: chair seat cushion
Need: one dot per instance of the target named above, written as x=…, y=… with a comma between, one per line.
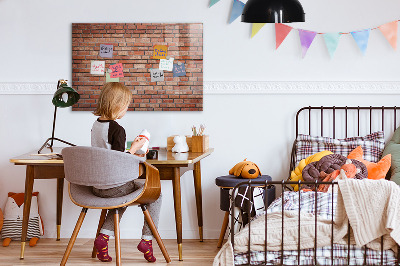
x=83, y=195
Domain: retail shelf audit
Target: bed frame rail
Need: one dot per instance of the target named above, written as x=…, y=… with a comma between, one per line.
x=265, y=185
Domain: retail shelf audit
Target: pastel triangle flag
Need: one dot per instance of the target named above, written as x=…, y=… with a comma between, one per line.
x=213, y=2
x=389, y=30
x=361, y=37
x=332, y=41
x=281, y=31
x=237, y=9
x=306, y=39
x=256, y=28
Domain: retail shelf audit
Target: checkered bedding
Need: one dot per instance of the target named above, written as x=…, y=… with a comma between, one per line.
x=323, y=207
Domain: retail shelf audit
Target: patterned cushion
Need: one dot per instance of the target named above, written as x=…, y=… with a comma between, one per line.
x=372, y=144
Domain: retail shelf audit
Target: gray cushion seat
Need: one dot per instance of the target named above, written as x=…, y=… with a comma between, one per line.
x=83, y=195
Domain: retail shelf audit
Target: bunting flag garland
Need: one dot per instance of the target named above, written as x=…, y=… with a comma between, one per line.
x=389, y=30
x=281, y=31
x=237, y=9
x=332, y=41
x=361, y=38
x=213, y=2
x=256, y=28
x=306, y=39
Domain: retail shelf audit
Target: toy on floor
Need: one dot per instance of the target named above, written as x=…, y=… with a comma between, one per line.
x=245, y=169
x=13, y=215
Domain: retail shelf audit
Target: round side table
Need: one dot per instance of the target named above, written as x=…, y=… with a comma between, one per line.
x=226, y=183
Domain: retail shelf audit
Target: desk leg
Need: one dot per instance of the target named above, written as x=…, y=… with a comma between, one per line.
x=176, y=182
x=199, y=204
x=27, y=206
x=60, y=190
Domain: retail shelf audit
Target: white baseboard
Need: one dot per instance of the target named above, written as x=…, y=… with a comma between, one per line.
x=246, y=87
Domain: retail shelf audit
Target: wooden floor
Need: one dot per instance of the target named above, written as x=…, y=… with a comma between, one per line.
x=50, y=252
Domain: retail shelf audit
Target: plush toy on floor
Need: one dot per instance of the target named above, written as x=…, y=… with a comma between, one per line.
x=245, y=169
x=13, y=215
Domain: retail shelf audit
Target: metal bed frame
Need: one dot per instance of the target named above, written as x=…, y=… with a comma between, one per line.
x=284, y=184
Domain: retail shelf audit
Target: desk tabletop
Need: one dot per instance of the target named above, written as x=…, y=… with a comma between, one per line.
x=164, y=157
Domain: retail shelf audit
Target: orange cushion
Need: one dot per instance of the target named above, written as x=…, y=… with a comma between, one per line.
x=375, y=170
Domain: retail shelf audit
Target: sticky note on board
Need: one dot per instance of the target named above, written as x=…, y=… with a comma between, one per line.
x=106, y=50
x=160, y=51
x=179, y=70
x=166, y=64
x=109, y=79
x=156, y=75
x=97, y=67
x=117, y=71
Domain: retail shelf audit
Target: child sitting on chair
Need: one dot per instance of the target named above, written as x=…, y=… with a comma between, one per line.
x=107, y=133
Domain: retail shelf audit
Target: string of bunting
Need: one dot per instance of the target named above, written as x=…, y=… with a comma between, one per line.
x=361, y=37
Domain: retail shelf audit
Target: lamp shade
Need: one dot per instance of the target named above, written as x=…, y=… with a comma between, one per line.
x=65, y=96
x=273, y=11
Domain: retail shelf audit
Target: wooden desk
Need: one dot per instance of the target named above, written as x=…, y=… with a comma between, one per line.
x=171, y=167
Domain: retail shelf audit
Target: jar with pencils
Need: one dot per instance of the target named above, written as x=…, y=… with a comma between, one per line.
x=200, y=141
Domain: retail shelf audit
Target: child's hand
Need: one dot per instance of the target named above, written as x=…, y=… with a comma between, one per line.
x=137, y=144
x=143, y=155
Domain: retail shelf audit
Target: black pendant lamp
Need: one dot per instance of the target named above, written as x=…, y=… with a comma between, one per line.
x=273, y=11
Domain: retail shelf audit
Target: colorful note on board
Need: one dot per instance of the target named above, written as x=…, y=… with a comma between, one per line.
x=117, y=71
x=166, y=64
x=97, y=67
x=110, y=79
x=213, y=2
x=179, y=70
x=156, y=75
x=106, y=50
x=160, y=52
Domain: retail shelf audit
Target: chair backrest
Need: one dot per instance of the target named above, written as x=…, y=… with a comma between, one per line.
x=92, y=166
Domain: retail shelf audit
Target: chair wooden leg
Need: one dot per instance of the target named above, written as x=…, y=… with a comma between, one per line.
x=73, y=237
x=101, y=222
x=117, y=238
x=223, y=229
x=154, y=230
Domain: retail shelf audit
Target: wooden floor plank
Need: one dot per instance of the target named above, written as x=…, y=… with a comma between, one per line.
x=49, y=252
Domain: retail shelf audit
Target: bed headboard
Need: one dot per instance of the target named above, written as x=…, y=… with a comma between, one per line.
x=344, y=121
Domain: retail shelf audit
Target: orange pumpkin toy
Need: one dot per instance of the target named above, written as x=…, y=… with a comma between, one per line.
x=245, y=169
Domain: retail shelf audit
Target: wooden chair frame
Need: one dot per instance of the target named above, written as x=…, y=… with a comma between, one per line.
x=150, y=193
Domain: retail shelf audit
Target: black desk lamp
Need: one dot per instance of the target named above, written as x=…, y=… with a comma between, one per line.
x=64, y=97
x=273, y=11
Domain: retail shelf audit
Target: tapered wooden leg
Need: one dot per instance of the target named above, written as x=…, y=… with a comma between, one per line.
x=60, y=191
x=154, y=230
x=27, y=206
x=73, y=237
x=101, y=222
x=176, y=182
x=117, y=238
x=223, y=229
x=199, y=204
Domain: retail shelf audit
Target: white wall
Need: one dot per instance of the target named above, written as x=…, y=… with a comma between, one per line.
x=36, y=47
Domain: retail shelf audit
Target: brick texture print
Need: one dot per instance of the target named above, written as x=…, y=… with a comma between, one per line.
x=133, y=47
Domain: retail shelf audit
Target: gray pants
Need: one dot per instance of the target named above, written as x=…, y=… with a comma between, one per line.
x=154, y=208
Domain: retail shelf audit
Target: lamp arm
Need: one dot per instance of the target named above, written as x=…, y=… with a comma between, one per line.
x=54, y=126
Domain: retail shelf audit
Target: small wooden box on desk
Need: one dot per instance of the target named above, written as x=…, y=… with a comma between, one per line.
x=195, y=143
x=200, y=143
